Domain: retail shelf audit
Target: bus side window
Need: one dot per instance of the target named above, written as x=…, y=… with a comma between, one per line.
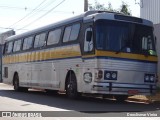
x=54, y=37
x=40, y=40
x=67, y=34
x=88, y=43
x=75, y=32
x=9, y=47
x=27, y=44
x=17, y=45
x=71, y=33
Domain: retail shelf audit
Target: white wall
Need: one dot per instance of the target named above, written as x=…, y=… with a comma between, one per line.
x=157, y=34
x=4, y=35
x=150, y=9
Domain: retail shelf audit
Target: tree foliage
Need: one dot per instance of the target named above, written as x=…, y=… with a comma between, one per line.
x=124, y=8
x=97, y=6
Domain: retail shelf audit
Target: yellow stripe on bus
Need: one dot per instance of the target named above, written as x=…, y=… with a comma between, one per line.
x=126, y=55
x=71, y=51
x=99, y=53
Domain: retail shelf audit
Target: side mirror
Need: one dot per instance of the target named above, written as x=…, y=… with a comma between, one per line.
x=89, y=36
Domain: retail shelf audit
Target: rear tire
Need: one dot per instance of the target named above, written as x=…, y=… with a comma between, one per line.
x=71, y=87
x=16, y=84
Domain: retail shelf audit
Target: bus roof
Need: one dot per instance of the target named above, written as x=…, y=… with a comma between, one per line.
x=68, y=21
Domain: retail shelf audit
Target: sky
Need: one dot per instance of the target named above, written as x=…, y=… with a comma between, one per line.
x=25, y=15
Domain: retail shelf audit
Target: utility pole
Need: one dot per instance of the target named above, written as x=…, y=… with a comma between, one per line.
x=85, y=5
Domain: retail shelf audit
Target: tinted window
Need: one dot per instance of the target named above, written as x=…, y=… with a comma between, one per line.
x=40, y=40
x=17, y=45
x=124, y=37
x=27, y=44
x=71, y=33
x=111, y=35
x=54, y=37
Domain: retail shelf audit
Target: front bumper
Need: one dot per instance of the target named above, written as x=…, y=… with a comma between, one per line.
x=123, y=88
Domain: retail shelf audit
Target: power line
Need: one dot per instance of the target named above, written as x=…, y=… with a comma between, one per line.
x=37, y=9
x=28, y=14
x=43, y=15
x=4, y=28
x=11, y=28
x=42, y=8
x=21, y=8
x=10, y=7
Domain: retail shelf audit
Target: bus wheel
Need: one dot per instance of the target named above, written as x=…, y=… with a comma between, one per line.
x=120, y=98
x=71, y=87
x=16, y=84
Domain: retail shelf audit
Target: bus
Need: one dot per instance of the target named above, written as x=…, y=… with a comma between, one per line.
x=97, y=52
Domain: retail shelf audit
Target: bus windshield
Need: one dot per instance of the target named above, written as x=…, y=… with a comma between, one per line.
x=124, y=37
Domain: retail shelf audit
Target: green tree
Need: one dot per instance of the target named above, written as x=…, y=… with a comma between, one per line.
x=97, y=6
x=110, y=8
x=124, y=8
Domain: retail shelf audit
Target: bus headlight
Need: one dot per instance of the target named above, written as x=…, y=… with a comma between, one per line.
x=110, y=75
x=114, y=75
x=146, y=78
x=149, y=78
x=87, y=77
x=152, y=78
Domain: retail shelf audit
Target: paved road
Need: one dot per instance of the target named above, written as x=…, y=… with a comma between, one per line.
x=40, y=101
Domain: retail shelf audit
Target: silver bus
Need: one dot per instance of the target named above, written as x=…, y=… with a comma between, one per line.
x=97, y=52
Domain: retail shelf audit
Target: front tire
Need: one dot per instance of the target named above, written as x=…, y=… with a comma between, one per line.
x=71, y=87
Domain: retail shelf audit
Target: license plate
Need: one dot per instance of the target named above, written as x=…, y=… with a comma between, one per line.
x=133, y=91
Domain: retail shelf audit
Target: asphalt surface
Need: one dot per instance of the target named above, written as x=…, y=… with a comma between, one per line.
x=55, y=106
